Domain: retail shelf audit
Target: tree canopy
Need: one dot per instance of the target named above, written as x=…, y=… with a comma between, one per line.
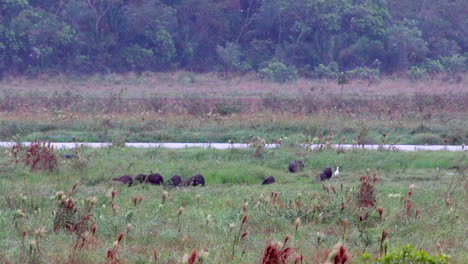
x=100, y=36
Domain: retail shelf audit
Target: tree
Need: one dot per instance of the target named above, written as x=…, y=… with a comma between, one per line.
x=407, y=43
x=100, y=9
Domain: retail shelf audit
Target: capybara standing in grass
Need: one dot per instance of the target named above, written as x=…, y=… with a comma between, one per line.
x=140, y=178
x=155, y=179
x=194, y=180
x=125, y=179
x=296, y=166
x=269, y=180
x=176, y=180
x=326, y=174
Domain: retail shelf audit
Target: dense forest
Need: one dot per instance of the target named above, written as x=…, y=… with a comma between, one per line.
x=279, y=39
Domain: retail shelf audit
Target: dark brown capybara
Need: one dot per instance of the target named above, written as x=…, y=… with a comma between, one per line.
x=140, y=178
x=326, y=174
x=195, y=180
x=155, y=179
x=176, y=180
x=68, y=156
x=127, y=179
x=296, y=166
x=269, y=180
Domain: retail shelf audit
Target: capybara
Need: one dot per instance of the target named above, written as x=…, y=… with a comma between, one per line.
x=194, y=180
x=127, y=179
x=176, y=180
x=140, y=178
x=269, y=180
x=155, y=179
x=296, y=166
x=68, y=156
x=326, y=174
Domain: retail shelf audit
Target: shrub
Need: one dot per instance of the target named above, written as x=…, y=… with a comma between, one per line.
x=433, y=67
x=406, y=254
x=454, y=66
x=326, y=72
x=41, y=156
x=366, y=197
x=277, y=71
x=364, y=73
x=416, y=73
x=232, y=57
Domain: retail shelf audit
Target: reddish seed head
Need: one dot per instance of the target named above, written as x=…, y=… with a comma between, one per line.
x=75, y=185
x=344, y=258
x=286, y=239
x=244, y=219
x=384, y=234
x=447, y=200
x=93, y=229
x=25, y=233
x=380, y=210
x=120, y=237
x=244, y=235
x=193, y=257
x=113, y=193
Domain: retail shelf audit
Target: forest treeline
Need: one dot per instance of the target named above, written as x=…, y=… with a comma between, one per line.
x=279, y=39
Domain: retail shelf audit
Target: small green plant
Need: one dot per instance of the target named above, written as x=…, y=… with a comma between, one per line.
x=407, y=254
x=239, y=235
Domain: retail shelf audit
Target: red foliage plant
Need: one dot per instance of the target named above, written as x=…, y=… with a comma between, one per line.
x=41, y=156
x=273, y=254
x=366, y=194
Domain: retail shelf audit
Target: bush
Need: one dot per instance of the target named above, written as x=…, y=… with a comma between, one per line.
x=277, y=71
x=406, y=254
x=454, y=66
x=433, y=67
x=364, y=73
x=416, y=73
x=41, y=156
x=232, y=57
x=326, y=72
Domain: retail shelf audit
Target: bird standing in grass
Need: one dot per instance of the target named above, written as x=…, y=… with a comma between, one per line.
x=337, y=172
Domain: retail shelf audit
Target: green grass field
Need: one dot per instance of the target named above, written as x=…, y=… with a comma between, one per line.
x=211, y=217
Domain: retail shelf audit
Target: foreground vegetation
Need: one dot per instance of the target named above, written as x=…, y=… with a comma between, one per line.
x=187, y=107
x=233, y=217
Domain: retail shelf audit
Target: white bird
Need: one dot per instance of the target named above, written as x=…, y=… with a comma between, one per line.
x=337, y=172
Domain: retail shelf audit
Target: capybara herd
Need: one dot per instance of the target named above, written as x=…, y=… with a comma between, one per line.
x=157, y=179
x=198, y=179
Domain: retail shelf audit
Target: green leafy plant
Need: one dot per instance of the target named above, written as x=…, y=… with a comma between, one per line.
x=407, y=254
x=276, y=71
